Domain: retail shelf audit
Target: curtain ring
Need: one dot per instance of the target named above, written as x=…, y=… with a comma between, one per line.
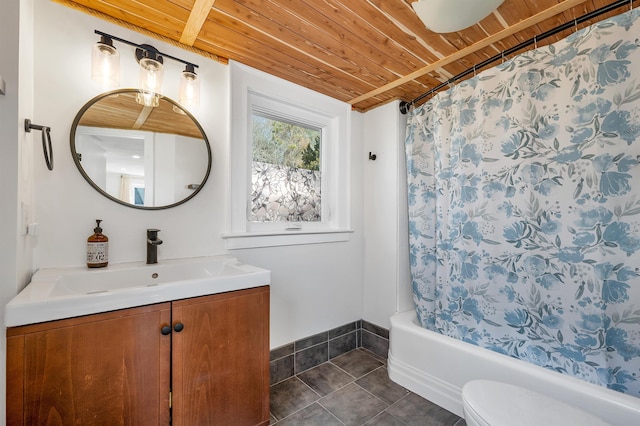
x=535, y=41
x=575, y=24
x=474, y=70
x=502, y=56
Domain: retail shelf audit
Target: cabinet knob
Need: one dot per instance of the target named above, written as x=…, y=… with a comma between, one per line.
x=165, y=330
x=178, y=327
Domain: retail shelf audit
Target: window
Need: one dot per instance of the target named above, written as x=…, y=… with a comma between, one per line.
x=286, y=177
x=289, y=163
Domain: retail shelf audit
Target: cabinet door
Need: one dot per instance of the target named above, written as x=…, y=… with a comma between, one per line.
x=220, y=359
x=103, y=369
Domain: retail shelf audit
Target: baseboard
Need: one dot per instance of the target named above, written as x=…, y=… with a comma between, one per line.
x=303, y=354
x=427, y=386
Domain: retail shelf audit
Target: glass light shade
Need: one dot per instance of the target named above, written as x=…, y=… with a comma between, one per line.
x=150, y=82
x=105, y=65
x=446, y=16
x=189, y=96
x=148, y=99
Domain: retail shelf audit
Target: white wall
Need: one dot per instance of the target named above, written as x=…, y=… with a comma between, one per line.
x=16, y=207
x=9, y=170
x=314, y=287
x=386, y=288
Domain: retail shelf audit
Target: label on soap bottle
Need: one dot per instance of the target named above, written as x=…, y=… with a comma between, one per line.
x=97, y=253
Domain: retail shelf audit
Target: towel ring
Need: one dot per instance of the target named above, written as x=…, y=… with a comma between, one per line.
x=47, y=148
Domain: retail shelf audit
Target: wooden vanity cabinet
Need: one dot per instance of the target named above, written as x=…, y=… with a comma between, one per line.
x=119, y=368
x=99, y=369
x=220, y=364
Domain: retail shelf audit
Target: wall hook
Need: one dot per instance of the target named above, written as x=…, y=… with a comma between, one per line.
x=372, y=157
x=46, y=141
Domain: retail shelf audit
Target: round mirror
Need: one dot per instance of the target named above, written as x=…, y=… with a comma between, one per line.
x=139, y=156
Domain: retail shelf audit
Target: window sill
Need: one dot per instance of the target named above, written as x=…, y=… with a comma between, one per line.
x=273, y=239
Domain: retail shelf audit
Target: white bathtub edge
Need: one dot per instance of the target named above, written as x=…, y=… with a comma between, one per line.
x=436, y=367
x=427, y=386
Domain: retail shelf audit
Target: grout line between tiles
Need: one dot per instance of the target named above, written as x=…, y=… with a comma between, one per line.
x=282, y=357
x=313, y=390
x=459, y=422
x=352, y=381
x=283, y=380
x=375, y=396
x=400, y=420
x=345, y=371
x=329, y=411
x=297, y=411
x=308, y=405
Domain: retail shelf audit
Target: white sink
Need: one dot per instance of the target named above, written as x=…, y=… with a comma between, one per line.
x=56, y=293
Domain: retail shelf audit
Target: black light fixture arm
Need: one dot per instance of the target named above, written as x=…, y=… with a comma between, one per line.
x=146, y=48
x=406, y=106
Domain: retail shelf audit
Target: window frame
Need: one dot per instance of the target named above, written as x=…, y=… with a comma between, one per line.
x=254, y=89
x=285, y=112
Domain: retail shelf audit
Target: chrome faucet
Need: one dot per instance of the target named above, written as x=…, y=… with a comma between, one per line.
x=152, y=246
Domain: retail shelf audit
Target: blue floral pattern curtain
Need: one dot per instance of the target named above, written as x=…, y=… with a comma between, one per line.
x=524, y=206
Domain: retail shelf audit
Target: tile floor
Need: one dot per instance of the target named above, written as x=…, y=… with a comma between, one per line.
x=352, y=390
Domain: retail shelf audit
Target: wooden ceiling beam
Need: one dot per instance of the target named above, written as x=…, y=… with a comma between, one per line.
x=198, y=15
x=522, y=25
x=138, y=28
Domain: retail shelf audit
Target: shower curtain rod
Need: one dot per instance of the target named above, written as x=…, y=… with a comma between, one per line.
x=405, y=106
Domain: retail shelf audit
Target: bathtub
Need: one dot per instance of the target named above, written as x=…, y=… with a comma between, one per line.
x=436, y=367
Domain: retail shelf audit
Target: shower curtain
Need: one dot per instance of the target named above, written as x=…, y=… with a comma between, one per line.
x=524, y=206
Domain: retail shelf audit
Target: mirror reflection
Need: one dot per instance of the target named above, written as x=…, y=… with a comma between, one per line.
x=140, y=156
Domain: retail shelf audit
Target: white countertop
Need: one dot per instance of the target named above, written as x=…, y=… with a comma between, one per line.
x=57, y=293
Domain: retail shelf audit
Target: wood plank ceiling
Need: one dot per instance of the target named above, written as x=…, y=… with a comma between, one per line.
x=363, y=52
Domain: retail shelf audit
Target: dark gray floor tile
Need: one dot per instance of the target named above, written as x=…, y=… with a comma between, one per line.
x=311, y=340
x=357, y=363
x=313, y=415
x=325, y=378
x=378, y=383
x=290, y=396
x=460, y=422
x=385, y=419
x=375, y=356
x=344, y=329
x=281, y=369
x=353, y=405
x=376, y=329
x=311, y=357
x=280, y=352
x=375, y=343
x=417, y=411
x=272, y=420
x=342, y=345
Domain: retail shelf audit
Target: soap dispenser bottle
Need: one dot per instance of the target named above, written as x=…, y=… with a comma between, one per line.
x=97, y=248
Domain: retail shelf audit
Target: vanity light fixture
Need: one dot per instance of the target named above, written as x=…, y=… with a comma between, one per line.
x=151, y=63
x=105, y=67
x=105, y=64
x=447, y=16
x=189, y=88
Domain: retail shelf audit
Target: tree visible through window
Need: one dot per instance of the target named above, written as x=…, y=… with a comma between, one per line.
x=286, y=171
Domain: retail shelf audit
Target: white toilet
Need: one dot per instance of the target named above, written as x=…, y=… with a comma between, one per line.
x=491, y=403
